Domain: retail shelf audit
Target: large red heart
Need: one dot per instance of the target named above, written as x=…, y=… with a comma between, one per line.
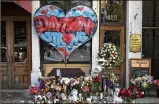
x=67, y=38
x=65, y=32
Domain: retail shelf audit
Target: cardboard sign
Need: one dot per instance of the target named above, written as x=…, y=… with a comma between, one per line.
x=140, y=67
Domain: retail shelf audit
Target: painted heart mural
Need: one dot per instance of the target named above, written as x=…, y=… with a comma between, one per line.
x=65, y=32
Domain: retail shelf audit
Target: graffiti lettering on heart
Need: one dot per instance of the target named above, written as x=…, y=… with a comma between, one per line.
x=65, y=32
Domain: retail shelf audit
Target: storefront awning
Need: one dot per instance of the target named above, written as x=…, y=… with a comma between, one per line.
x=26, y=4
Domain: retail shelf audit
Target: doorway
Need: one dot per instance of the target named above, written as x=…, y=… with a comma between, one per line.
x=15, y=52
x=115, y=34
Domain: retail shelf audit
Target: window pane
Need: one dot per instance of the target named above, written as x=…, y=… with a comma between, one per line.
x=148, y=14
x=147, y=43
x=112, y=37
x=112, y=11
x=81, y=2
x=157, y=44
x=157, y=14
x=20, y=43
x=82, y=53
x=3, y=42
x=51, y=54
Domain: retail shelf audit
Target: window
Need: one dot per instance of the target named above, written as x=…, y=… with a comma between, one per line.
x=80, y=55
x=111, y=11
x=150, y=35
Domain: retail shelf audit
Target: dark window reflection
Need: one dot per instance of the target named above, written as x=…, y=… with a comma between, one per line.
x=150, y=13
x=51, y=54
x=3, y=42
x=112, y=11
x=20, y=43
x=112, y=37
x=82, y=53
x=150, y=35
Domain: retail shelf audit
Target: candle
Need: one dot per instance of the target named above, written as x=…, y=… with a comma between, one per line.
x=101, y=95
x=105, y=88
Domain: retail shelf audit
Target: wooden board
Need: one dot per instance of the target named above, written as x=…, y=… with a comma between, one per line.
x=140, y=67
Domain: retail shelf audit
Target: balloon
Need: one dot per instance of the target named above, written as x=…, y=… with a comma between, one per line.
x=65, y=32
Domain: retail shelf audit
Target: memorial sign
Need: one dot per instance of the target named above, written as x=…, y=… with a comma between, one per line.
x=140, y=67
x=135, y=43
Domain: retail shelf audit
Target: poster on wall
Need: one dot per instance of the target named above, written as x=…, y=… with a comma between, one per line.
x=135, y=43
x=65, y=32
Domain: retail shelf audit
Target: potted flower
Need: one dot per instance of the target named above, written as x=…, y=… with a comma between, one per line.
x=143, y=82
x=130, y=94
x=86, y=86
x=156, y=84
x=95, y=84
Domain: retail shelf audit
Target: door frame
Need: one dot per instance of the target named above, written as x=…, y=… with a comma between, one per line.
x=6, y=64
x=28, y=33
x=11, y=64
x=122, y=46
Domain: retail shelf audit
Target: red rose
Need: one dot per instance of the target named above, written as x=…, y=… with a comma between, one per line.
x=85, y=88
x=122, y=92
x=128, y=93
x=140, y=93
x=96, y=79
x=133, y=88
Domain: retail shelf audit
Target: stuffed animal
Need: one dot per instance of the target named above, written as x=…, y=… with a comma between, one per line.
x=116, y=98
x=74, y=96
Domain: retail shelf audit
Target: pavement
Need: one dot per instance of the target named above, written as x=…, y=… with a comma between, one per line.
x=22, y=96
x=14, y=96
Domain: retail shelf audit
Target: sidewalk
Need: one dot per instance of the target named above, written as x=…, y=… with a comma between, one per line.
x=15, y=96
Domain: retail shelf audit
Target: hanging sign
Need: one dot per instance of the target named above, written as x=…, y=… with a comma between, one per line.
x=65, y=32
x=135, y=43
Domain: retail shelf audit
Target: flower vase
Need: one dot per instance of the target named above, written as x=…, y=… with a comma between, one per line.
x=158, y=92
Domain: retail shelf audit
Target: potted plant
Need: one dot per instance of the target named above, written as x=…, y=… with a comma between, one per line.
x=143, y=82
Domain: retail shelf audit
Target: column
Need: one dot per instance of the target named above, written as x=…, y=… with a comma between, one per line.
x=35, y=74
x=95, y=39
x=133, y=25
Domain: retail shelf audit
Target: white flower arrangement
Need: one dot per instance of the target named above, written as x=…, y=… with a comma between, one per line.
x=108, y=56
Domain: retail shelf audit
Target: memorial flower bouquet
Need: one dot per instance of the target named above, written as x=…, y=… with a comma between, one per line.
x=34, y=89
x=155, y=83
x=96, y=83
x=86, y=83
x=142, y=82
x=109, y=56
x=75, y=83
x=130, y=94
